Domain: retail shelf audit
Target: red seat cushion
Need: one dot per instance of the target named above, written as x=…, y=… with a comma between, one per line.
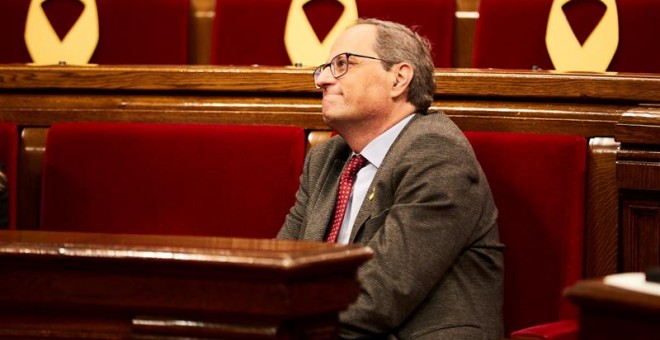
x=538, y=182
x=234, y=181
x=130, y=32
x=250, y=32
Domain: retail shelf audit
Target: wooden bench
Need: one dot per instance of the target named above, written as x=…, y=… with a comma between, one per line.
x=617, y=115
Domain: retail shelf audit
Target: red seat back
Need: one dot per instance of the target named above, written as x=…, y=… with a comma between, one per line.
x=9, y=159
x=130, y=32
x=248, y=32
x=510, y=34
x=233, y=181
x=538, y=182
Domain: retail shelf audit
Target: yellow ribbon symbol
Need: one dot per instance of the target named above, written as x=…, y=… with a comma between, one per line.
x=598, y=50
x=77, y=47
x=302, y=44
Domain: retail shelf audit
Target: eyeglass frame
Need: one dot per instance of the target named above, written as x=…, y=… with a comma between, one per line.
x=317, y=71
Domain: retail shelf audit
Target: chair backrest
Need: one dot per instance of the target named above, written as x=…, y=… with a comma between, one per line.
x=248, y=32
x=538, y=182
x=9, y=144
x=183, y=179
x=130, y=32
x=511, y=34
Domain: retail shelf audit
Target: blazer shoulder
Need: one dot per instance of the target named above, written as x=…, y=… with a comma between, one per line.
x=433, y=128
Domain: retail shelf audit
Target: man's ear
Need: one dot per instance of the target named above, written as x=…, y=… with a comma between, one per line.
x=403, y=73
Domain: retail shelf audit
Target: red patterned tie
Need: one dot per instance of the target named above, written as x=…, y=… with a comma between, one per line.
x=345, y=186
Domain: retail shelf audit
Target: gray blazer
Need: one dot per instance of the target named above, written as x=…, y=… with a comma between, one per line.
x=430, y=219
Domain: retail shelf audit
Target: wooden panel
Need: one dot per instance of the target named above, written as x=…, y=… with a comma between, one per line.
x=277, y=81
x=491, y=114
x=75, y=285
x=627, y=130
x=601, y=243
x=160, y=78
x=640, y=233
x=547, y=85
x=638, y=179
x=642, y=175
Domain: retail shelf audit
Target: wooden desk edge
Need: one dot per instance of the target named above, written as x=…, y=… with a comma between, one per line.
x=280, y=255
x=595, y=294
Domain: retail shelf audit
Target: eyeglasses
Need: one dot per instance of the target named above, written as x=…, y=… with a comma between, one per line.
x=339, y=65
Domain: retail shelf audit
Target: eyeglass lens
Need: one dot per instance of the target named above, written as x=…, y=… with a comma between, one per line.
x=338, y=66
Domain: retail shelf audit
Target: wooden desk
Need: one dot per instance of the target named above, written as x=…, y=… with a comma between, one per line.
x=97, y=286
x=608, y=312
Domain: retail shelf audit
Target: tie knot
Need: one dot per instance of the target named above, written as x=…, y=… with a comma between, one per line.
x=356, y=163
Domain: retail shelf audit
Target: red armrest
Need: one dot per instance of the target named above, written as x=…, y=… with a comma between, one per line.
x=558, y=330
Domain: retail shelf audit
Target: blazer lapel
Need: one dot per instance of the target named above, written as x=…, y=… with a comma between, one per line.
x=369, y=206
x=363, y=215
x=320, y=220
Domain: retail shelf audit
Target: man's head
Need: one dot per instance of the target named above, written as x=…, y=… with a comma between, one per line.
x=398, y=43
x=378, y=73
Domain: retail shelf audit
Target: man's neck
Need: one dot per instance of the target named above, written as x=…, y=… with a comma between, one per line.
x=359, y=136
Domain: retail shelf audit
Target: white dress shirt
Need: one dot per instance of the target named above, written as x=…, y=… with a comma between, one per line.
x=374, y=152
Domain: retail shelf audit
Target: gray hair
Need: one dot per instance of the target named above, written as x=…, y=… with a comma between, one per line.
x=397, y=43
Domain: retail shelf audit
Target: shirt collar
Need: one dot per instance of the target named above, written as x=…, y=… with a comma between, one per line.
x=376, y=150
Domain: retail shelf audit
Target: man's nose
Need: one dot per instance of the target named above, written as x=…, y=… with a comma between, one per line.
x=324, y=78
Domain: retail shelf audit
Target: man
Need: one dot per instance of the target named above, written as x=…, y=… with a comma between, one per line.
x=420, y=201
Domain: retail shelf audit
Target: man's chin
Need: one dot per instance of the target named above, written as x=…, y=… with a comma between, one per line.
x=329, y=119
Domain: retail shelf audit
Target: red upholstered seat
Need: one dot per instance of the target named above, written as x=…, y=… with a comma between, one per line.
x=538, y=182
x=510, y=34
x=234, y=181
x=130, y=31
x=9, y=161
x=248, y=32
